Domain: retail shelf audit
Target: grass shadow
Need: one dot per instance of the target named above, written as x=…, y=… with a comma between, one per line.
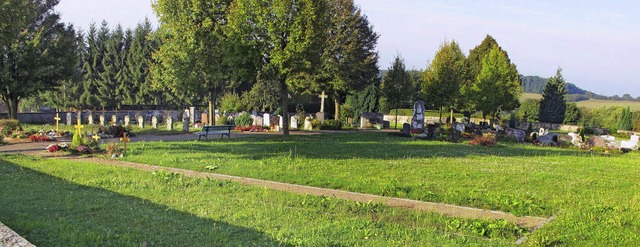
x=347, y=146
x=50, y=211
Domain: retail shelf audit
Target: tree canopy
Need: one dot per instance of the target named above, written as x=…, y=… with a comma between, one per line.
x=396, y=84
x=37, y=51
x=553, y=105
x=444, y=77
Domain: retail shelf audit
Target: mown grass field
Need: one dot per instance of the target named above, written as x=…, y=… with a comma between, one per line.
x=594, y=103
x=594, y=198
x=71, y=203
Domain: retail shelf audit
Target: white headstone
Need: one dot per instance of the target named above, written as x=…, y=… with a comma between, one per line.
x=114, y=120
x=127, y=119
x=69, y=118
x=141, y=122
x=169, y=123
x=294, y=122
x=90, y=119
x=280, y=122
x=154, y=122
x=102, y=120
x=307, y=123
x=266, y=118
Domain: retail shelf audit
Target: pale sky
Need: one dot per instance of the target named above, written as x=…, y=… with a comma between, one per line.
x=597, y=43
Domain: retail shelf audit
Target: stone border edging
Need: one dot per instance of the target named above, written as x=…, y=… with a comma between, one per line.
x=529, y=222
x=9, y=238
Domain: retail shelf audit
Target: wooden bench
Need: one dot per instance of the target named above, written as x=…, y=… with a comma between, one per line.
x=214, y=130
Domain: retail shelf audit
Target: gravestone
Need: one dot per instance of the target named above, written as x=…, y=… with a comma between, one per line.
x=141, y=122
x=102, y=120
x=406, y=129
x=90, y=119
x=114, y=120
x=266, y=119
x=576, y=139
x=192, y=114
x=79, y=116
x=69, y=118
x=127, y=119
x=258, y=120
x=549, y=139
x=458, y=127
x=307, y=123
x=322, y=97
x=204, y=118
x=154, y=122
x=185, y=124
x=431, y=131
x=320, y=116
x=371, y=119
x=417, y=122
x=280, y=122
x=169, y=123
x=516, y=134
x=293, y=124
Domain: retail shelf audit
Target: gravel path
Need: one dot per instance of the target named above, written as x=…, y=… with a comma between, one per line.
x=532, y=223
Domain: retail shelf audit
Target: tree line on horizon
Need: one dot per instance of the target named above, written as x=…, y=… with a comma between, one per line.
x=209, y=51
x=535, y=85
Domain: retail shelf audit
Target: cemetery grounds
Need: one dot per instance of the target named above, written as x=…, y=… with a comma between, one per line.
x=591, y=198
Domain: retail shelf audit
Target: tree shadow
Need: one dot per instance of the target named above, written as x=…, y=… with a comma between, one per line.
x=351, y=146
x=50, y=211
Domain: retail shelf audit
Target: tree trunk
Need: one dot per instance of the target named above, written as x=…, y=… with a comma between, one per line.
x=284, y=94
x=451, y=119
x=337, y=113
x=12, y=108
x=211, y=116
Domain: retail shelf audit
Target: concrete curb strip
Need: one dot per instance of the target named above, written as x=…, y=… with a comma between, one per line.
x=9, y=238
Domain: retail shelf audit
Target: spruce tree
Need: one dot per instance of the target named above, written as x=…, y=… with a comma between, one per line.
x=553, y=104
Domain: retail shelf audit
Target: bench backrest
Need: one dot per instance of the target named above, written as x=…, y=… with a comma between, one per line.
x=216, y=127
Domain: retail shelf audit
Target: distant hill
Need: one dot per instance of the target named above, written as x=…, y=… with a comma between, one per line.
x=535, y=85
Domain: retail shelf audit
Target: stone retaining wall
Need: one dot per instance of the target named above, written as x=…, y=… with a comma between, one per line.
x=10, y=238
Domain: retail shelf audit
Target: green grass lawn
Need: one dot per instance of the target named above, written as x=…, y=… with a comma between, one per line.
x=593, y=197
x=73, y=203
x=594, y=103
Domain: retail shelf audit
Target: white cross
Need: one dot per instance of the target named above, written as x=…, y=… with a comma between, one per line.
x=322, y=97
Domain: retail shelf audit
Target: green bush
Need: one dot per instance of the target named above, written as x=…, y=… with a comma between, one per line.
x=77, y=139
x=9, y=125
x=330, y=125
x=244, y=120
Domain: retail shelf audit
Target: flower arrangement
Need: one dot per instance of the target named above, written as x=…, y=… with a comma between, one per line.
x=53, y=148
x=39, y=138
x=82, y=149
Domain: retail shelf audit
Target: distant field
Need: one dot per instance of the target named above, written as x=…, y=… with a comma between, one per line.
x=526, y=96
x=592, y=103
x=595, y=103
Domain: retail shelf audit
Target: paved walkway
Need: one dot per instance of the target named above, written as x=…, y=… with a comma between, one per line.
x=532, y=223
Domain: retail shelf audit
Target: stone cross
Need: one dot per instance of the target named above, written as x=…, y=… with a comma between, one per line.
x=169, y=123
x=79, y=128
x=141, y=122
x=322, y=97
x=57, y=118
x=154, y=122
x=124, y=140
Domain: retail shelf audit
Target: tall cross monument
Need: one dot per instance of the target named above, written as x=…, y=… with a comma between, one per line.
x=322, y=97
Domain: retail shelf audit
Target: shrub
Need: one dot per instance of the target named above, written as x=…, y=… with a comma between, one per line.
x=486, y=140
x=330, y=125
x=9, y=125
x=244, y=120
x=115, y=131
x=77, y=139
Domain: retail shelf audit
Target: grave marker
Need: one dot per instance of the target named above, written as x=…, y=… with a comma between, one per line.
x=102, y=120
x=169, y=123
x=124, y=140
x=417, y=122
x=79, y=128
x=69, y=119
x=141, y=122
x=57, y=118
x=322, y=97
x=154, y=122
x=127, y=119
x=90, y=119
x=114, y=120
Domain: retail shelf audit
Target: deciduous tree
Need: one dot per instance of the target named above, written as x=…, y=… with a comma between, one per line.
x=444, y=77
x=37, y=51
